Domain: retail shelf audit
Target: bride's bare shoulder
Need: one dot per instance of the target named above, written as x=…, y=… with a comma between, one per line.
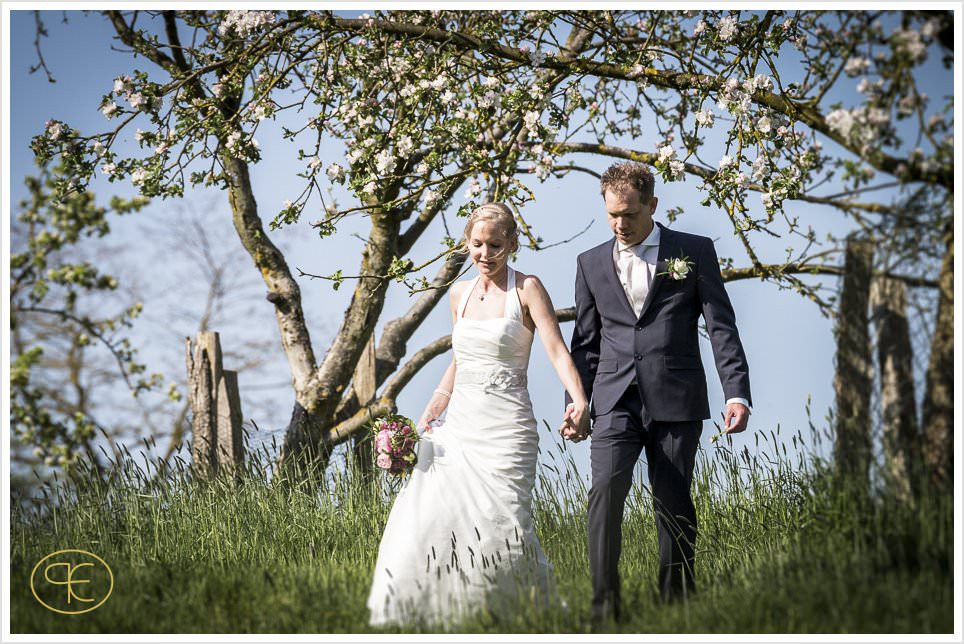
x=457, y=289
x=527, y=281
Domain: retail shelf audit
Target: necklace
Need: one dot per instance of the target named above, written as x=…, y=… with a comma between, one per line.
x=483, y=293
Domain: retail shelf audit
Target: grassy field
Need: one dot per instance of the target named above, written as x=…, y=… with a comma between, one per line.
x=783, y=548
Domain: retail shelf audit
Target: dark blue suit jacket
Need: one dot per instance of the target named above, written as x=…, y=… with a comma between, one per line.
x=660, y=348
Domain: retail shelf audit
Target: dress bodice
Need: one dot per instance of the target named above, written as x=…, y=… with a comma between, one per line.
x=495, y=350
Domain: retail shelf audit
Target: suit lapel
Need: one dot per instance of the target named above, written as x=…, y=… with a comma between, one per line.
x=612, y=279
x=665, y=251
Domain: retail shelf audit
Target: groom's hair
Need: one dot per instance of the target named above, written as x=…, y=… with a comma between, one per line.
x=620, y=176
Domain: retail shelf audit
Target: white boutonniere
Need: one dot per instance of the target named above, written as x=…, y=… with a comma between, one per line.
x=678, y=268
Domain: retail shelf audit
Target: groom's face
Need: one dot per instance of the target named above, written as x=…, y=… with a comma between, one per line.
x=630, y=214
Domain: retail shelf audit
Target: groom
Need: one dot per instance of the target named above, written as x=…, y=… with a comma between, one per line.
x=635, y=343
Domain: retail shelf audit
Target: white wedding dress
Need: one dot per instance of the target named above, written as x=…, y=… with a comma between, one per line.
x=460, y=536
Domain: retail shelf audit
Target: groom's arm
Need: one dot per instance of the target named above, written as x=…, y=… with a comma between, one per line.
x=720, y=320
x=585, y=334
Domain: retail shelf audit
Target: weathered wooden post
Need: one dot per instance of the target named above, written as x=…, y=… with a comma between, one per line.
x=216, y=443
x=363, y=383
x=937, y=410
x=894, y=358
x=853, y=378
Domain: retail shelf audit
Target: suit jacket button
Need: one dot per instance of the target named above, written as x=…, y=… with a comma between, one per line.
x=639, y=357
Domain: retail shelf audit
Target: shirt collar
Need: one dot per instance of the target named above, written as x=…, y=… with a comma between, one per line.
x=651, y=240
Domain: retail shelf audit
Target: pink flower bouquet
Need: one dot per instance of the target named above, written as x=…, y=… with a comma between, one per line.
x=395, y=438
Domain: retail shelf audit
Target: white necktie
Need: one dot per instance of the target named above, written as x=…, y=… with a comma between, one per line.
x=635, y=273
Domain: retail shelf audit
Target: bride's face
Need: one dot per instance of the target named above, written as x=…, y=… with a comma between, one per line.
x=488, y=248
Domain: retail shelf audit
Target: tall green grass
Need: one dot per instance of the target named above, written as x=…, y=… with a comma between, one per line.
x=784, y=547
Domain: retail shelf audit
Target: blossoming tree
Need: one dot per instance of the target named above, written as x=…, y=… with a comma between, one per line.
x=431, y=104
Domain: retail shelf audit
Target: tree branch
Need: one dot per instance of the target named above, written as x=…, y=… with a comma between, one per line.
x=706, y=173
x=665, y=79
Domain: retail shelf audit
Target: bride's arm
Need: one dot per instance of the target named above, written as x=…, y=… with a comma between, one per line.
x=440, y=397
x=537, y=301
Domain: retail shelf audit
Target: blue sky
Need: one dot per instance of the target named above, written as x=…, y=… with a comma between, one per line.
x=789, y=344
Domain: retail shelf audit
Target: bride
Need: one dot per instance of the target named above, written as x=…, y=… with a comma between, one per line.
x=460, y=536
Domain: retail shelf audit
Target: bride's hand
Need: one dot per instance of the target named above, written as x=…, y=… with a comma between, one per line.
x=573, y=421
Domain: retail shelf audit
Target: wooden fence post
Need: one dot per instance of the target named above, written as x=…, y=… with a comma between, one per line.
x=937, y=410
x=363, y=382
x=853, y=378
x=216, y=442
x=894, y=358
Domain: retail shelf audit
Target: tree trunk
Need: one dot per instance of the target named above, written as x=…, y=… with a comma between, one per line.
x=938, y=407
x=894, y=358
x=852, y=382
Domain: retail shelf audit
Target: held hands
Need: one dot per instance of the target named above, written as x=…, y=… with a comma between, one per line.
x=575, y=422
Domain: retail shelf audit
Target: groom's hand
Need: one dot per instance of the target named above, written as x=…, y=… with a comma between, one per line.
x=575, y=423
x=735, y=418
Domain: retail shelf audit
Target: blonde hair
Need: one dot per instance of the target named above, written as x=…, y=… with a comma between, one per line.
x=500, y=215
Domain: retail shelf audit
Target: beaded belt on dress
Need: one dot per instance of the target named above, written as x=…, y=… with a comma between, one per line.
x=496, y=379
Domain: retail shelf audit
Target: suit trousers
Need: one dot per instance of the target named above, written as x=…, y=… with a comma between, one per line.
x=618, y=438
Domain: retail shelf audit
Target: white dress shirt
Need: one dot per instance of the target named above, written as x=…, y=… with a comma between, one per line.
x=636, y=266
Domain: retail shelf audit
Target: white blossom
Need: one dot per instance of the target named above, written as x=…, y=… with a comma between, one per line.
x=245, y=22
x=422, y=168
x=676, y=169
x=491, y=81
x=474, y=190
x=137, y=100
x=488, y=99
x=840, y=121
x=54, y=130
x=705, y=117
x=99, y=148
x=448, y=96
x=370, y=188
x=761, y=168
x=531, y=119
x=336, y=173
x=233, y=139
x=537, y=58
x=314, y=162
x=856, y=66
x=727, y=28
x=384, y=161
x=122, y=84
x=405, y=146
x=109, y=169
x=431, y=196
x=354, y=155
x=667, y=153
x=262, y=110
x=908, y=41
x=763, y=124
x=109, y=109
x=139, y=135
x=138, y=176
x=726, y=161
x=699, y=28
x=162, y=148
